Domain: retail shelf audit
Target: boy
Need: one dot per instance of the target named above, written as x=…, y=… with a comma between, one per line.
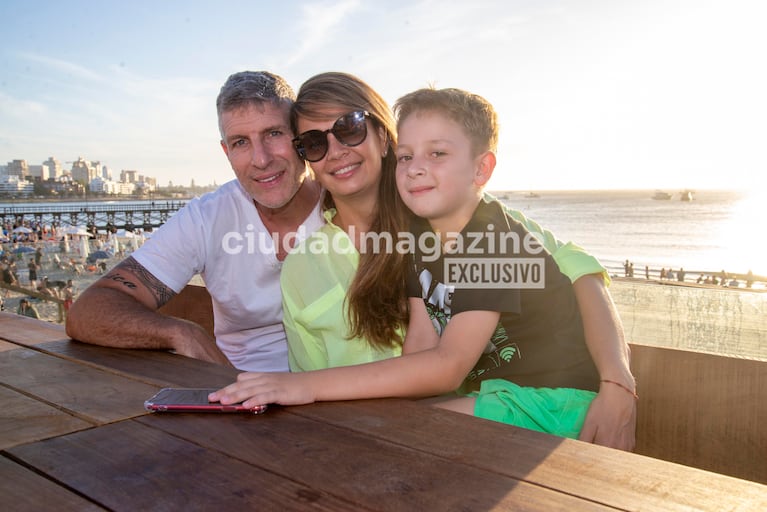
x=488, y=284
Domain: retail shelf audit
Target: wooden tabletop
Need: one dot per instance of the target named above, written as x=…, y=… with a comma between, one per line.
x=74, y=436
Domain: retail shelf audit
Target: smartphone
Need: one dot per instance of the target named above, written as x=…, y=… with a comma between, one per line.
x=192, y=400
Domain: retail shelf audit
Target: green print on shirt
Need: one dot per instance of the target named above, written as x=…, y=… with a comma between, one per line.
x=499, y=350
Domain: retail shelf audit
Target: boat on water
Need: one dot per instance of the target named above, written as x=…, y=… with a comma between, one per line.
x=661, y=195
x=686, y=195
x=532, y=195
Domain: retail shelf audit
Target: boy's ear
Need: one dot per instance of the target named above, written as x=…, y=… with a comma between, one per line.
x=485, y=167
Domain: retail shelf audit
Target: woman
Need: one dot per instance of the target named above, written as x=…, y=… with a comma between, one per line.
x=347, y=133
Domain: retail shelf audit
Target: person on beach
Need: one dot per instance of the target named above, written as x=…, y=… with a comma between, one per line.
x=32, y=268
x=46, y=288
x=39, y=258
x=349, y=169
x=8, y=277
x=235, y=238
x=27, y=309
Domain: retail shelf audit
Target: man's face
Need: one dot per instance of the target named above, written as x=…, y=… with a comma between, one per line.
x=257, y=142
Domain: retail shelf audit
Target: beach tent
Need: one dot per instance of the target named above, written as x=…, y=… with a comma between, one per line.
x=77, y=231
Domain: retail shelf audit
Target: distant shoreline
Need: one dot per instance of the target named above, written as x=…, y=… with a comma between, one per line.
x=94, y=199
x=687, y=284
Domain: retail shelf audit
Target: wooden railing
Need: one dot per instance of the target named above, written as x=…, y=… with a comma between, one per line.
x=702, y=410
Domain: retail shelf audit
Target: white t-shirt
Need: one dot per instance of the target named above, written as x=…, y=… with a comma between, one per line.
x=221, y=236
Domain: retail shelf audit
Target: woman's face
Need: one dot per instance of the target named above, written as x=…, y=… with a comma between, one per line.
x=346, y=171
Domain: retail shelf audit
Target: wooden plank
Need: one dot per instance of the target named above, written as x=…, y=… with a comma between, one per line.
x=92, y=394
x=4, y=345
x=608, y=476
x=129, y=466
x=703, y=410
x=24, y=420
x=157, y=367
x=22, y=490
x=369, y=472
x=28, y=331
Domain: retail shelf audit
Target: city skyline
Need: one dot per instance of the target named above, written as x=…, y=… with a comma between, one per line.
x=107, y=171
x=594, y=94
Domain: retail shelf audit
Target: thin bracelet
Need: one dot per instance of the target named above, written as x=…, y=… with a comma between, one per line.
x=633, y=393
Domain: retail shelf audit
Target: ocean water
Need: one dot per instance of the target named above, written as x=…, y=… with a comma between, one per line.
x=718, y=230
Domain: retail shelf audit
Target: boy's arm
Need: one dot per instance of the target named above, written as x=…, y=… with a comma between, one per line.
x=429, y=372
x=421, y=334
x=611, y=419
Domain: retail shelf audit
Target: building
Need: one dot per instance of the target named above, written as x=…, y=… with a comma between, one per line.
x=128, y=176
x=100, y=185
x=11, y=185
x=84, y=171
x=17, y=168
x=54, y=168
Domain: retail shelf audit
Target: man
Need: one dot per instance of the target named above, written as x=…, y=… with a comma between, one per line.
x=235, y=237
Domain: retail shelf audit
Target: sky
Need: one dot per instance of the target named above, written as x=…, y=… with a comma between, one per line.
x=591, y=94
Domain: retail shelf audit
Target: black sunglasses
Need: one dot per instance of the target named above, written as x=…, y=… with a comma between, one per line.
x=349, y=129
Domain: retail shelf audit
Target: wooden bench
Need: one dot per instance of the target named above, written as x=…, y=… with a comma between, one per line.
x=702, y=410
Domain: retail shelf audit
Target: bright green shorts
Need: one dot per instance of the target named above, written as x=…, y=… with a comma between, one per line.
x=559, y=411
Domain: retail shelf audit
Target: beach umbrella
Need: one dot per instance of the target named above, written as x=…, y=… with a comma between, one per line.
x=22, y=229
x=77, y=231
x=124, y=233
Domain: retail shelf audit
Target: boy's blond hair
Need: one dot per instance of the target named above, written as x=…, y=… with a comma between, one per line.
x=472, y=112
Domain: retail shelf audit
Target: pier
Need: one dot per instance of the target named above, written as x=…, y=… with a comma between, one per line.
x=96, y=216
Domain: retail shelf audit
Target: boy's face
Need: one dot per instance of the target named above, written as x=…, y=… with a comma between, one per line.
x=436, y=170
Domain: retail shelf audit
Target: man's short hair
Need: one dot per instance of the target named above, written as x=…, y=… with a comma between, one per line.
x=253, y=87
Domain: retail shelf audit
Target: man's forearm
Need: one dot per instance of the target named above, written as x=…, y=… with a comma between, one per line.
x=108, y=317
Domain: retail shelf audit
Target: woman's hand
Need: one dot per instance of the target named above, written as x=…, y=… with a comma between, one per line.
x=255, y=389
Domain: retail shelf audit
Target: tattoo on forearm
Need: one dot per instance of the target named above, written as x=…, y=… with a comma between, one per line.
x=161, y=293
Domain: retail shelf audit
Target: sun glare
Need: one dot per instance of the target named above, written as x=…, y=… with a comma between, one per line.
x=744, y=235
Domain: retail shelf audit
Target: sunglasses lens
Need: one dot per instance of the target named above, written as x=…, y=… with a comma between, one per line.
x=313, y=145
x=351, y=129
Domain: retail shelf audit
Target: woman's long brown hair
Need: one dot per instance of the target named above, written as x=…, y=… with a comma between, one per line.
x=376, y=300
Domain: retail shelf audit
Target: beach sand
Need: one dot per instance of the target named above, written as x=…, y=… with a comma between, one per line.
x=671, y=314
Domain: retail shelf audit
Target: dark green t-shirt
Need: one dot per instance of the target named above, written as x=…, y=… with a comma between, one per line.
x=498, y=265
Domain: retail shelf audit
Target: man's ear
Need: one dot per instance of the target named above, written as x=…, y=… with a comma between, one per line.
x=485, y=167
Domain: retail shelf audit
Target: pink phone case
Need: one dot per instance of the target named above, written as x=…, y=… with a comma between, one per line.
x=192, y=400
